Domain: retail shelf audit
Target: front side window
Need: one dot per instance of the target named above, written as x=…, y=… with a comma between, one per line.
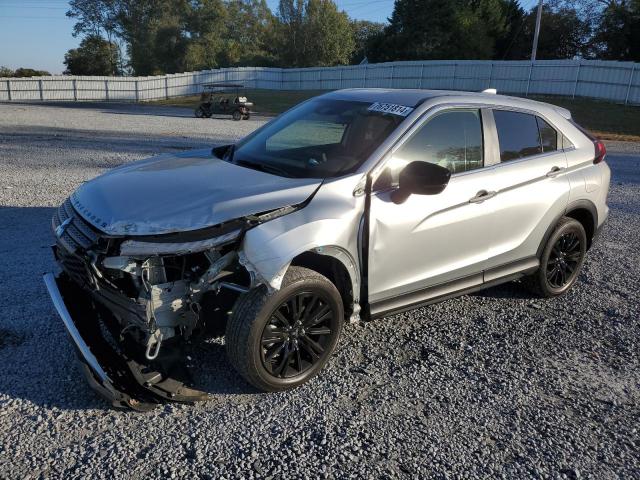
x=451, y=139
x=322, y=138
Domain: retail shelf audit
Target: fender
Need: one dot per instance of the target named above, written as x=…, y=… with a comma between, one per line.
x=329, y=225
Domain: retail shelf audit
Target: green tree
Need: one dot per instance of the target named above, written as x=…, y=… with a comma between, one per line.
x=313, y=33
x=290, y=38
x=563, y=34
x=206, y=24
x=433, y=29
x=249, y=34
x=98, y=19
x=29, y=72
x=94, y=56
x=5, y=71
x=364, y=33
x=618, y=31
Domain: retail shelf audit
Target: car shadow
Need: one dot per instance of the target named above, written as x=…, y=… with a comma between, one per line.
x=132, y=108
x=38, y=361
x=512, y=290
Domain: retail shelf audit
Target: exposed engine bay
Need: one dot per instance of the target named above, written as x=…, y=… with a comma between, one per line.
x=152, y=296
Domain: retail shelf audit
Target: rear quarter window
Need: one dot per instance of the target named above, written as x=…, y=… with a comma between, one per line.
x=548, y=136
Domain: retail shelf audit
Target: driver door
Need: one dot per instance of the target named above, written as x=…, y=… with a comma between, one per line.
x=431, y=245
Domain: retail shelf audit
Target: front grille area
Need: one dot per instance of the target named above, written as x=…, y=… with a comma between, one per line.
x=78, y=233
x=78, y=236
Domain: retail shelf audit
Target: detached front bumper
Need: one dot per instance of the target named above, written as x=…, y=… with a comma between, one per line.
x=119, y=378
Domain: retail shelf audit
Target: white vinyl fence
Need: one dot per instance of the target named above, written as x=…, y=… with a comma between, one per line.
x=614, y=81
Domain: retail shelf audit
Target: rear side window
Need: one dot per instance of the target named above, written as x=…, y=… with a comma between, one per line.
x=518, y=135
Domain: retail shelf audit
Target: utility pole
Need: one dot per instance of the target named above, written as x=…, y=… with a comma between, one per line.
x=537, y=32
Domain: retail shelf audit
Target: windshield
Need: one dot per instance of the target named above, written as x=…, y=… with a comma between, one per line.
x=321, y=138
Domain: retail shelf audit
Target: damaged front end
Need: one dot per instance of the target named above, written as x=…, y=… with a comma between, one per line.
x=134, y=306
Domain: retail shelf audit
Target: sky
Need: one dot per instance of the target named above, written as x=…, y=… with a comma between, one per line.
x=37, y=34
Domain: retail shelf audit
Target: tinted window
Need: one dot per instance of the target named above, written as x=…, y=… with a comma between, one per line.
x=548, y=136
x=452, y=140
x=518, y=135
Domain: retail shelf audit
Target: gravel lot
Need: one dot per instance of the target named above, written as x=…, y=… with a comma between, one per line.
x=492, y=384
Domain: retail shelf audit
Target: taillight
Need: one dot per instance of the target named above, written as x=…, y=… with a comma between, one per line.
x=601, y=151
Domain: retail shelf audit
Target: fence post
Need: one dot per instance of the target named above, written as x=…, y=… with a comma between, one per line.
x=633, y=70
x=455, y=71
x=341, y=78
x=40, y=88
x=393, y=69
x=9, y=89
x=166, y=87
x=575, y=86
x=137, y=94
x=529, y=80
x=106, y=90
x=75, y=90
x=490, y=76
x=364, y=78
x=421, y=74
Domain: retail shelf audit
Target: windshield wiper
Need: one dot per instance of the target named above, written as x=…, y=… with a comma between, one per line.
x=264, y=168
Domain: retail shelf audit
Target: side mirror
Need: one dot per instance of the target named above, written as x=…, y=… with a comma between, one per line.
x=421, y=178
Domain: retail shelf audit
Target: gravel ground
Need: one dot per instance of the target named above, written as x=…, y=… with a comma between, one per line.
x=486, y=385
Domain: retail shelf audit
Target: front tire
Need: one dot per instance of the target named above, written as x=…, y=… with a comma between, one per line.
x=199, y=112
x=280, y=340
x=237, y=116
x=561, y=260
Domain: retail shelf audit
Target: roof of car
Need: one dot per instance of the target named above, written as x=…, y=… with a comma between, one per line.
x=414, y=97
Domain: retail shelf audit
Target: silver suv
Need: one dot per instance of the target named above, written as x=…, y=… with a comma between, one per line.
x=354, y=204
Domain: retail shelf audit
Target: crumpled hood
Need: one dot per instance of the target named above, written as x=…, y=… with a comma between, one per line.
x=182, y=192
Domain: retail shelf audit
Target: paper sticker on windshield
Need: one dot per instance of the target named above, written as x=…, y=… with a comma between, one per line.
x=391, y=108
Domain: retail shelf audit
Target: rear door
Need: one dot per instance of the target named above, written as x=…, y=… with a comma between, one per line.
x=531, y=189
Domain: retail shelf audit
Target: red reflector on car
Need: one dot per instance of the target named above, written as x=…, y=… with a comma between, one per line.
x=601, y=151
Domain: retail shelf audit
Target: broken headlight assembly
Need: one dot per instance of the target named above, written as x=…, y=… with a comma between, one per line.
x=145, y=299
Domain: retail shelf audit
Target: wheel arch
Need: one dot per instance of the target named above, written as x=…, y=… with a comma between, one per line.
x=338, y=266
x=584, y=211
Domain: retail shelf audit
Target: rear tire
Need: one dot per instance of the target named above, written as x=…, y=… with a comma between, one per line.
x=561, y=260
x=200, y=113
x=280, y=340
x=237, y=116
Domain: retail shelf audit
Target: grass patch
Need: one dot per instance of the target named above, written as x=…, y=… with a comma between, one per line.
x=608, y=121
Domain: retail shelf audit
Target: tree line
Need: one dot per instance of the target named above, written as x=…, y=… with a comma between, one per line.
x=149, y=37
x=503, y=30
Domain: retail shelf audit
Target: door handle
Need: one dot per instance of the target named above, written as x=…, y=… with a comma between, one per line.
x=554, y=172
x=481, y=196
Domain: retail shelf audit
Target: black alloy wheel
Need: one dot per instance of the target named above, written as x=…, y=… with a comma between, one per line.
x=561, y=259
x=297, y=334
x=564, y=259
x=279, y=339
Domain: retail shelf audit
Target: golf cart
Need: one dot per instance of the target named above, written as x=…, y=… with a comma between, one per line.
x=217, y=99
